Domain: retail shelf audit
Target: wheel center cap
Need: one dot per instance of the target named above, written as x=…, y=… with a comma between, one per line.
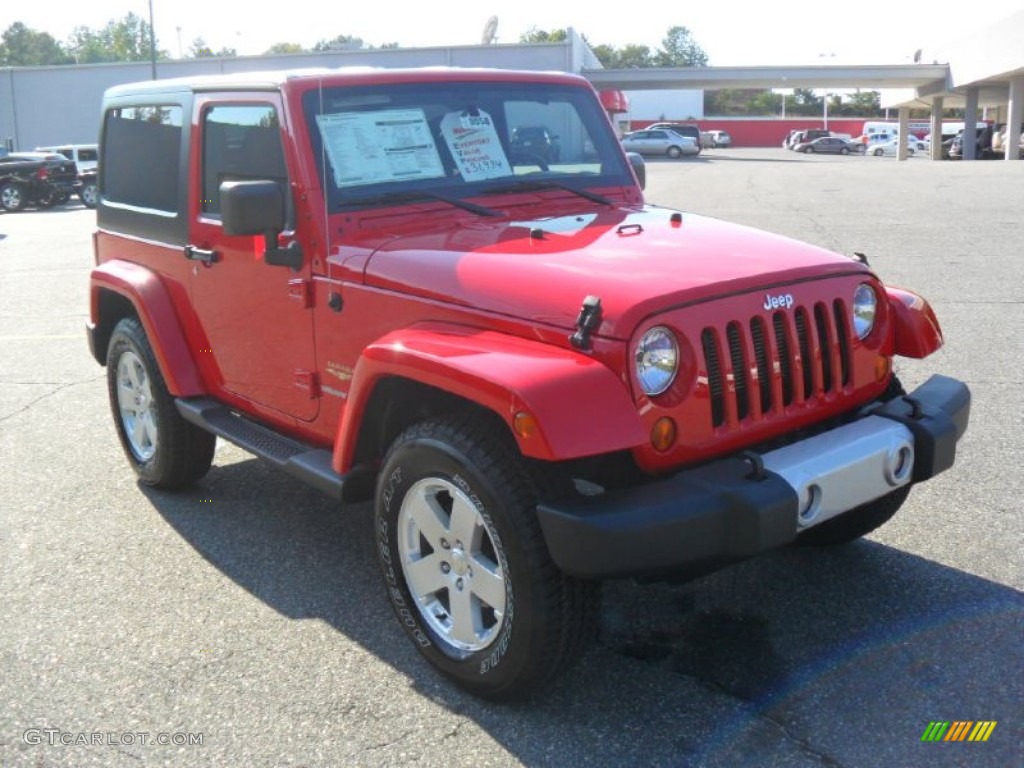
x=460, y=564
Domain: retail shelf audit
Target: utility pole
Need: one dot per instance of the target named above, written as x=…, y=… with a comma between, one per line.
x=152, y=41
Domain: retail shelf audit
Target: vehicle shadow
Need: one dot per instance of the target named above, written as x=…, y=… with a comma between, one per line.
x=852, y=650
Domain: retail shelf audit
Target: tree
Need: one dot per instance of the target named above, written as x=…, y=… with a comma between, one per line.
x=340, y=43
x=535, y=35
x=284, y=48
x=679, y=49
x=200, y=50
x=24, y=47
x=127, y=39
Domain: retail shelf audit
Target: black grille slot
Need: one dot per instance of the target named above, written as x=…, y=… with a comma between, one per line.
x=716, y=386
x=803, y=339
x=785, y=359
x=843, y=334
x=764, y=370
x=739, y=369
x=821, y=320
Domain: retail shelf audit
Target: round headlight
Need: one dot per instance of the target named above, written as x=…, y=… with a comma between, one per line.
x=865, y=304
x=657, y=360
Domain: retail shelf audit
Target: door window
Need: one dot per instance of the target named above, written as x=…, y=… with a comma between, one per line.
x=241, y=142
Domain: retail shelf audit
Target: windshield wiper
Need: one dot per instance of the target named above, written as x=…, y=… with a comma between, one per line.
x=530, y=185
x=409, y=197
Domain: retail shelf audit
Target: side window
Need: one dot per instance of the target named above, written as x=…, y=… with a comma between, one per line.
x=240, y=142
x=88, y=155
x=143, y=169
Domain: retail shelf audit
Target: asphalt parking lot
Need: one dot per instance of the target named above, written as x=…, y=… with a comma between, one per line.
x=249, y=612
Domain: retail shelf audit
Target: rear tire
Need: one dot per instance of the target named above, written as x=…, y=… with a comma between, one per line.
x=465, y=564
x=88, y=194
x=164, y=450
x=674, y=152
x=12, y=197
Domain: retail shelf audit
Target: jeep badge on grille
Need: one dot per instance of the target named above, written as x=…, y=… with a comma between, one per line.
x=774, y=302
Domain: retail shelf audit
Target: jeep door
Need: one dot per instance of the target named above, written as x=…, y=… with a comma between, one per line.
x=255, y=317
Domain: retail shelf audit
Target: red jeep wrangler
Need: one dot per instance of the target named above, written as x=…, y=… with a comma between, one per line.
x=539, y=380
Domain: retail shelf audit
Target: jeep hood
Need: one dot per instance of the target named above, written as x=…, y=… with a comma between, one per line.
x=639, y=262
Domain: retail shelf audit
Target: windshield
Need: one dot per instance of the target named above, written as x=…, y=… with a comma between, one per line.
x=387, y=142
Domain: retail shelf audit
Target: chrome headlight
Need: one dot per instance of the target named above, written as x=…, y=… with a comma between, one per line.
x=865, y=306
x=657, y=360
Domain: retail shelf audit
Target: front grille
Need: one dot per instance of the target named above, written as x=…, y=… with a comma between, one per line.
x=756, y=369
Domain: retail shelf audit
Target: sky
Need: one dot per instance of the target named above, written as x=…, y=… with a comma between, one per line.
x=732, y=32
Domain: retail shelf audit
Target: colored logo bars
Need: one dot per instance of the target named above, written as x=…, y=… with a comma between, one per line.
x=959, y=730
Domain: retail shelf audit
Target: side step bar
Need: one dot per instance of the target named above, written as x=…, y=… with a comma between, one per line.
x=310, y=465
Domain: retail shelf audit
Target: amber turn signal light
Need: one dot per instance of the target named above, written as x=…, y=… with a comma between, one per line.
x=525, y=424
x=663, y=434
x=882, y=367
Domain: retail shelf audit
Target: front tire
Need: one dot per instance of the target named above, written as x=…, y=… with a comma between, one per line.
x=164, y=450
x=465, y=563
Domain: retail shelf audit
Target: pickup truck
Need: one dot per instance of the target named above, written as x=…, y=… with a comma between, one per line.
x=539, y=379
x=36, y=178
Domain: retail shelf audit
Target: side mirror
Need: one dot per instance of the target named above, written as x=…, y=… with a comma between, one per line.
x=257, y=208
x=636, y=161
x=251, y=207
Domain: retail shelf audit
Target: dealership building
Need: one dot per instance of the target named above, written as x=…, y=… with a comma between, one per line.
x=42, y=106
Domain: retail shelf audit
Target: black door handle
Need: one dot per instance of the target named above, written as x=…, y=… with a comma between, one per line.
x=198, y=254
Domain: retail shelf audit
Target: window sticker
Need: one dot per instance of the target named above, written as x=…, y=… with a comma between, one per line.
x=372, y=147
x=475, y=145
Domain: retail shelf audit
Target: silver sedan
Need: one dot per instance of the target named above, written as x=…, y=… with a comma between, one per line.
x=660, y=142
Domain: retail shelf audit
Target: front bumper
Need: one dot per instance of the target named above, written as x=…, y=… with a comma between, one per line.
x=702, y=519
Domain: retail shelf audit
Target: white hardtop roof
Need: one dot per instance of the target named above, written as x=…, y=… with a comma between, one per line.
x=274, y=79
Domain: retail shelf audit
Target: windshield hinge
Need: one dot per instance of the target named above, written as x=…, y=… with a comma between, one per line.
x=587, y=322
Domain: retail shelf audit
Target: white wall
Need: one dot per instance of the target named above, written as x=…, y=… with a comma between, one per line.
x=41, y=106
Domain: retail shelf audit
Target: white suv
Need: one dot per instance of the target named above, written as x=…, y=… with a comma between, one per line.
x=85, y=156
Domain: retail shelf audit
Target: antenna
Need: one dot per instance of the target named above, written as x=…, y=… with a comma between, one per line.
x=490, y=31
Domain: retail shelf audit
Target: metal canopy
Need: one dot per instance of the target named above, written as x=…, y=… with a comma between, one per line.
x=916, y=76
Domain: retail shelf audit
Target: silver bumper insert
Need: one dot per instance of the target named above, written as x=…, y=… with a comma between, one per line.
x=848, y=466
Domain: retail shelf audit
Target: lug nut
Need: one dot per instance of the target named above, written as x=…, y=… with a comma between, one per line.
x=445, y=544
x=458, y=584
x=445, y=568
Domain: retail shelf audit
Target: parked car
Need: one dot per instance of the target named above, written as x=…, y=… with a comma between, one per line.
x=806, y=136
x=829, y=145
x=683, y=129
x=86, y=157
x=536, y=140
x=35, y=178
x=986, y=136
x=891, y=148
x=999, y=138
x=720, y=139
x=660, y=142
